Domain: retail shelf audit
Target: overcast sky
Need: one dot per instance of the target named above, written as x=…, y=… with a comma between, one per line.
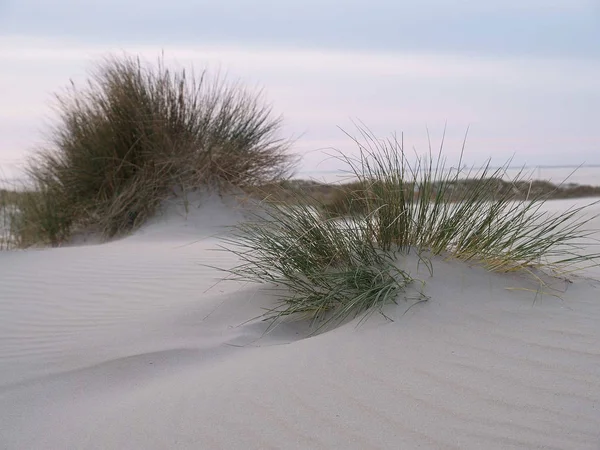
x=524, y=75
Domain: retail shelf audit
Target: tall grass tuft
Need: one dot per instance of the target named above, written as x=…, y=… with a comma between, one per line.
x=327, y=270
x=427, y=207
x=333, y=263
x=135, y=132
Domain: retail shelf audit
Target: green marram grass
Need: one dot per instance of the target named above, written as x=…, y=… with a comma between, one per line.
x=421, y=207
x=332, y=264
x=324, y=269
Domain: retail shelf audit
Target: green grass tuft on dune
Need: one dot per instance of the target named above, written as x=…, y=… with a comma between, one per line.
x=333, y=263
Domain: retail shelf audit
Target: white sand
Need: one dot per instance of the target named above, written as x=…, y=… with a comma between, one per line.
x=126, y=346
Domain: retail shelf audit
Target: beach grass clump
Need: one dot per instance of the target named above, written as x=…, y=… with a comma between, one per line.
x=137, y=131
x=324, y=269
x=334, y=263
x=8, y=200
x=424, y=207
x=38, y=217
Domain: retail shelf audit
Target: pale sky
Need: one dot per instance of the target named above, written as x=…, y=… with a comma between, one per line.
x=524, y=75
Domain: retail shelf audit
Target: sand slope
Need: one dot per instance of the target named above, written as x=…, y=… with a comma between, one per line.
x=130, y=345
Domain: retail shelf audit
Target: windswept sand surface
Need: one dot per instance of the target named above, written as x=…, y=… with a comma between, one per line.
x=131, y=345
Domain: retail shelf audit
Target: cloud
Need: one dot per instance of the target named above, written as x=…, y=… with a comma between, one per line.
x=527, y=27
x=509, y=70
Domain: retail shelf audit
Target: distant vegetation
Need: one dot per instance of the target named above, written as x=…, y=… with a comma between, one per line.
x=133, y=134
x=348, y=198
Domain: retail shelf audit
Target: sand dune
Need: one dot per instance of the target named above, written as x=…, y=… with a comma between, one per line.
x=131, y=345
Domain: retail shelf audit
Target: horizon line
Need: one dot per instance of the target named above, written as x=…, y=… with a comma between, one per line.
x=543, y=166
